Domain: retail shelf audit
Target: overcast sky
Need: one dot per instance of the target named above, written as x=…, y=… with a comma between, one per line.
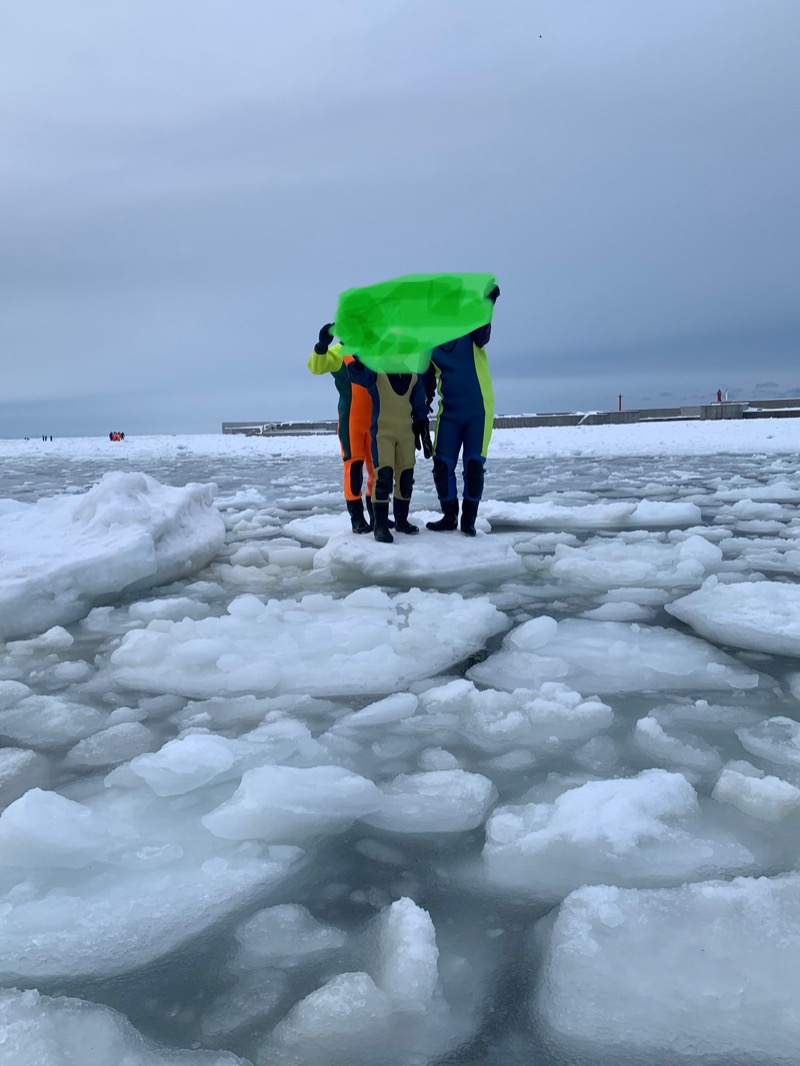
x=187, y=185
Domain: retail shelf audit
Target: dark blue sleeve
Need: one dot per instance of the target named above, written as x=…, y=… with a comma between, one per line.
x=419, y=401
x=429, y=384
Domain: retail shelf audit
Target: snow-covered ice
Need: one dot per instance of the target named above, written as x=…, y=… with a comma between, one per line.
x=645, y=830
x=757, y=615
x=607, y=657
x=44, y=1031
x=271, y=792
x=64, y=554
x=368, y=642
x=418, y=560
x=702, y=972
x=552, y=514
x=755, y=793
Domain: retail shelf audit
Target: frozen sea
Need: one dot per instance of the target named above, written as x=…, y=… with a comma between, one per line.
x=272, y=793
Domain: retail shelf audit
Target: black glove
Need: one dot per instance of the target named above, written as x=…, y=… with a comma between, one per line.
x=325, y=339
x=422, y=437
x=493, y=293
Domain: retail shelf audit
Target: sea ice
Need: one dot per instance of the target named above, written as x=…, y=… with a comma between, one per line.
x=607, y=657
x=65, y=554
x=390, y=1012
x=552, y=514
x=43, y=1031
x=621, y=982
x=47, y=722
x=44, y=829
x=110, y=746
x=317, y=714
x=632, y=561
x=419, y=561
x=184, y=764
x=253, y=999
x=347, y=1015
x=286, y=804
x=646, y=830
x=284, y=936
x=434, y=801
x=753, y=792
x=20, y=770
x=407, y=963
x=757, y=615
x=498, y=722
x=686, y=753
x=777, y=740
x=368, y=642
x=117, y=881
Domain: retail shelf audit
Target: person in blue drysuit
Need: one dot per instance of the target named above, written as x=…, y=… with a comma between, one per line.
x=459, y=371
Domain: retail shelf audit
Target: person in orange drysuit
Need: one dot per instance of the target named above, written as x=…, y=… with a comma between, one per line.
x=355, y=421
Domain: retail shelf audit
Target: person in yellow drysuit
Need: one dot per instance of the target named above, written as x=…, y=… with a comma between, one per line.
x=354, y=426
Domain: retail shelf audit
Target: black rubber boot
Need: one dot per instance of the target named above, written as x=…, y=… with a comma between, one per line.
x=381, y=532
x=355, y=509
x=401, y=522
x=469, y=512
x=390, y=523
x=449, y=519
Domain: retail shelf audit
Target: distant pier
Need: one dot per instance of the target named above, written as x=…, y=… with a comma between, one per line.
x=700, y=412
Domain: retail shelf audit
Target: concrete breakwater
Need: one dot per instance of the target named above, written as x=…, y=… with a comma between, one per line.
x=726, y=409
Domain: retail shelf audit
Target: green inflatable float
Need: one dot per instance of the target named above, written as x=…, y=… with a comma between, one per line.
x=393, y=326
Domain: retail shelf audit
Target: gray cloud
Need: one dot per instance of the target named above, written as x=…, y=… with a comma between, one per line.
x=188, y=187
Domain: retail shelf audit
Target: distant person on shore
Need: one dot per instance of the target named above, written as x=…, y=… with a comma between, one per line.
x=399, y=429
x=460, y=372
x=719, y=395
x=354, y=425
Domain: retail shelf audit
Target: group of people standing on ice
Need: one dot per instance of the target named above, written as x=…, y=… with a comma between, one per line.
x=384, y=420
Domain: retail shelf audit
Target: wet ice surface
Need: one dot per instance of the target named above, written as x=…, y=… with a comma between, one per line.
x=533, y=797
